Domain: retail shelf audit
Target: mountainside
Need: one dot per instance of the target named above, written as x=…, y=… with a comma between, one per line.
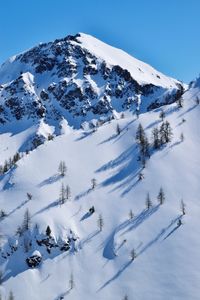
x=97, y=205
x=79, y=78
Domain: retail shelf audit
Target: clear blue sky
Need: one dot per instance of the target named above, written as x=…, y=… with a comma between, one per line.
x=163, y=33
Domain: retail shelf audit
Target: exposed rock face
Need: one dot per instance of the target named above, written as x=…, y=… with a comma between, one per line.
x=34, y=260
x=64, y=79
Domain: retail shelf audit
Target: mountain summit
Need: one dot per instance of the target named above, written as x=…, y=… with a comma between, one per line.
x=79, y=78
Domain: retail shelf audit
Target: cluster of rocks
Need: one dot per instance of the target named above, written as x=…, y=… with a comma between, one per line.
x=34, y=260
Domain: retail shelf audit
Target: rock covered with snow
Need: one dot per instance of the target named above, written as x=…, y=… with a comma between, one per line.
x=79, y=78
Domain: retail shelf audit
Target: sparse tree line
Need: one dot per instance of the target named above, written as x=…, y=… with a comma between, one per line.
x=8, y=164
x=149, y=204
x=160, y=136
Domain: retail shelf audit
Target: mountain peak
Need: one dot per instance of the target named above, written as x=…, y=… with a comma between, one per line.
x=80, y=78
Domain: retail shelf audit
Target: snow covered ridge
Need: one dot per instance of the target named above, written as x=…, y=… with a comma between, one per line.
x=79, y=78
x=108, y=213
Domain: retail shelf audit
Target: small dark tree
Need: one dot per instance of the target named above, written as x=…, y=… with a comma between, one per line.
x=16, y=157
x=144, y=148
x=131, y=215
x=29, y=196
x=93, y=183
x=133, y=254
x=1, y=277
x=197, y=101
x=182, y=137
x=71, y=282
x=62, y=197
x=180, y=102
x=11, y=296
x=3, y=214
x=5, y=167
x=68, y=192
x=162, y=115
x=182, y=207
x=19, y=231
x=161, y=196
x=140, y=134
x=156, y=138
x=165, y=133
x=48, y=231
x=148, y=201
x=62, y=169
x=100, y=222
x=140, y=176
x=27, y=221
x=118, y=129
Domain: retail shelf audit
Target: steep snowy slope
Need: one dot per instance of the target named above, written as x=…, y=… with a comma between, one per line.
x=79, y=78
x=141, y=72
x=167, y=254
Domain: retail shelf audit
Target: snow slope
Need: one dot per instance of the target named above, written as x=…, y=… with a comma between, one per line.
x=167, y=263
x=141, y=72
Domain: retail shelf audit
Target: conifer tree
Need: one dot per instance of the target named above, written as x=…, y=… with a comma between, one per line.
x=48, y=231
x=62, y=169
x=131, y=215
x=161, y=196
x=27, y=221
x=183, y=207
x=156, y=138
x=68, y=192
x=133, y=254
x=62, y=197
x=140, y=134
x=182, y=137
x=179, y=102
x=11, y=296
x=100, y=222
x=93, y=183
x=118, y=129
x=162, y=115
x=71, y=282
x=165, y=132
x=148, y=201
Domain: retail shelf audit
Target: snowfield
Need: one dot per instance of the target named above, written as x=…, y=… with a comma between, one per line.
x=79, y=214
x=167, y=255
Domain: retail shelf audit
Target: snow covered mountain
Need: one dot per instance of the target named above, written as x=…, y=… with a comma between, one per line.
x=79, y=78
x=97, y=231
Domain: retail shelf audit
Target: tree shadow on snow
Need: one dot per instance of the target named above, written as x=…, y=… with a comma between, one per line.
x=161, y=234
x=50, y=180
x=88, y=238
x=145, y=248
x=128, y=225
x=126, y=168
x=123, y=268
x=49, y=206
x=83, y=194
x=116, y=137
